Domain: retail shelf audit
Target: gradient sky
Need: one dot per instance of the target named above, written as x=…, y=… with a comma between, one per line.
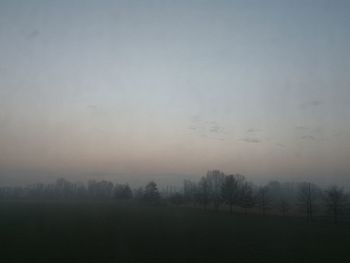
x=136, y=88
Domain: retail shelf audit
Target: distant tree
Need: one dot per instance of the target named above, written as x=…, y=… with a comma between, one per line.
x=139, y=194
x=151, y=194
x=189, y=189
x=263, y=200
x=307, y=196
x=105, y=189
x=246, y=196
x=122, y=191
x=335, y=200
x=176, y=199
x=100, y=189
x=284, y=207
x=229, y=191
x=37, y=191
x=202, y=194
x=64, y=188
x=215, y=181
x=241, y=181
x=80, y=190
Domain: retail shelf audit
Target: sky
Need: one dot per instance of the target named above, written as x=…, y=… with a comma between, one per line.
x=135, y=89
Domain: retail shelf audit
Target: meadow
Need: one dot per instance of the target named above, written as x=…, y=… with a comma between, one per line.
x=130, y=232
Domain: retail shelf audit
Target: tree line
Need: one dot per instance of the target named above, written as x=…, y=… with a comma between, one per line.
x=235, y=192
x=215, y=191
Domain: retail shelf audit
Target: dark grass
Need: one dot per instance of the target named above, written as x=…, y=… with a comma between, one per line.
x=127, y=232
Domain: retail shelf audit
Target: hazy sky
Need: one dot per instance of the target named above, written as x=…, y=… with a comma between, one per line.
x=136, y=88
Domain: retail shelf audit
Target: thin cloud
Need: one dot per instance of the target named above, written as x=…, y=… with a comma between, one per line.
x=204, y=128
x=311, y=104
x=302, y=128
x=253, y=130
x=33, y=34
x=308, y=137
x=195, y=118
x=216, y=129
x=281, y=145
x=92, y=108
x=251, y=140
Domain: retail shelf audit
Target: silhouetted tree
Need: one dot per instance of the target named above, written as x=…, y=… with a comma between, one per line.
x=246, y=196
x=100, y=189
x=65, y=189
x=229, y=190
x=80, y=190
x=190, y=189
x=122, y=191
x=151, y=194
x=202, y=194
x=139, y=194
x=215, y=181
x=263, y=200
x=176, y=199
x=335, y=199
x=307, y=197
x=284, y=207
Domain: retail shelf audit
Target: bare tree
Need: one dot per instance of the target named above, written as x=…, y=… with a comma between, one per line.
x=263, y=200
x=229, y=190
x=176, y=198
x=189, y=189
x=122, y=191
x=151, y=194
x=215, y=181
x=202, y=194
x=307, y=197
x=335, y=199
x=100, y=189
x=138, y=194
x=284, y=207
x=246, y=197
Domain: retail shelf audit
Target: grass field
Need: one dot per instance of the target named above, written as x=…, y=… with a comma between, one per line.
x=120, y=232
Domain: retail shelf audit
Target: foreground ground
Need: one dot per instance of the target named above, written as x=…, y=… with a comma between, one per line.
x=120, y=232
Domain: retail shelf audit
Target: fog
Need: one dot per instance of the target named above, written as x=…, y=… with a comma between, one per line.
x=174, y=131
x=136, y=91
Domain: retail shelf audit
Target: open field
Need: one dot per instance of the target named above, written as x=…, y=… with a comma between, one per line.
x=121, y=232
